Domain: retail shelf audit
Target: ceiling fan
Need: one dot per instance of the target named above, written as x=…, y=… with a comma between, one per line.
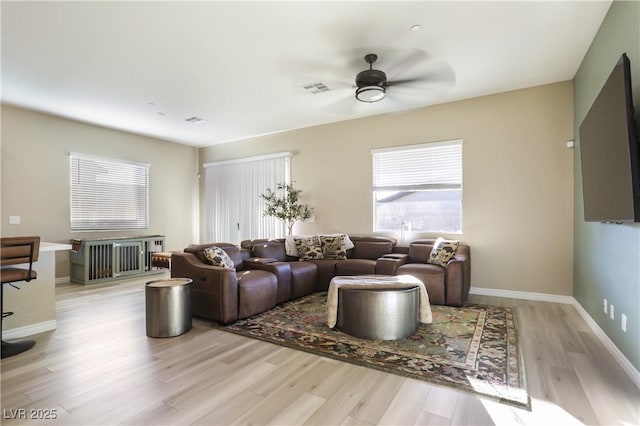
x=411, y=78
x=372, y=84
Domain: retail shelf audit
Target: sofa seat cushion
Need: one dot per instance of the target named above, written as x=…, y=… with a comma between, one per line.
x=257, y=292
x=432, y=276
x=356, y=267
x=304, y=276
x=326, y=271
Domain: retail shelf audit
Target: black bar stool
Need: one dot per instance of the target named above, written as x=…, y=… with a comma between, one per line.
x=16, y=251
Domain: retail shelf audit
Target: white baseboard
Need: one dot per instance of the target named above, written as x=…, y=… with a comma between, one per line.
x=631, y=371
x=29, y=330
x=512, y=294
x=624, y=363
x=63, y=280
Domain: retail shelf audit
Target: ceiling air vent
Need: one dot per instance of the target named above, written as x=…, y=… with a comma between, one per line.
x=195, y=120
x=315, y=88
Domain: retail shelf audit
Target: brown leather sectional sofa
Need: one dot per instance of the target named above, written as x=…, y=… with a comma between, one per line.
x=265, y=276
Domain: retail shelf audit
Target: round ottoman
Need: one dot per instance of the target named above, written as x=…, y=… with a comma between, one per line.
x=168, y=307
x=380, y=314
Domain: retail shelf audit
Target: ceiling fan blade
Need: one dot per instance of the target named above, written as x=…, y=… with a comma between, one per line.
x=407, y=64
x=436, y=76
x=406, y=81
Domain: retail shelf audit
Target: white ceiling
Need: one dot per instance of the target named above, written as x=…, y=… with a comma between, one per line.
x=145, y=67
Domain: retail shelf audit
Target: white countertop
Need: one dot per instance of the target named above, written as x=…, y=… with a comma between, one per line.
x=45, y=246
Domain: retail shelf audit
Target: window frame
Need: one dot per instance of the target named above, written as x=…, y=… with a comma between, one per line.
x=411, y=182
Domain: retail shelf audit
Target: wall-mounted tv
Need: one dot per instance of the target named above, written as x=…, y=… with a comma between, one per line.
x=609, y=152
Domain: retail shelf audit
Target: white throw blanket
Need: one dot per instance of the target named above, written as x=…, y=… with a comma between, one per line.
x=375, y=282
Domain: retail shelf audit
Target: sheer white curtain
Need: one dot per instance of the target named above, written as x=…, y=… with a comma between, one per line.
x=233, y=206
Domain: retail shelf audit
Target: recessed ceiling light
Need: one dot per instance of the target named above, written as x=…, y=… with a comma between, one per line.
x=416, y=27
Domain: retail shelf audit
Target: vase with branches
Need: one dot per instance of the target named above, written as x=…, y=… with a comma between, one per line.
x=285, y=203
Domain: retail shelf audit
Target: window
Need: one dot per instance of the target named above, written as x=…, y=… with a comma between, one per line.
x=418, y=187
x=108, y=194
x=234, y=210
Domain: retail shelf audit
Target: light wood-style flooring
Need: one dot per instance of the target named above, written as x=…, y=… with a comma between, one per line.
x=100, y=368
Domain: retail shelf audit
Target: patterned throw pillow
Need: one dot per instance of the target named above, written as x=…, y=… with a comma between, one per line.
x=309, y=248
x=334, y=247
x=218, y=257
x=443, y=251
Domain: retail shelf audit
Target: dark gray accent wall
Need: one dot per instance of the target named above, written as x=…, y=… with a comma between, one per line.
x=607, y=256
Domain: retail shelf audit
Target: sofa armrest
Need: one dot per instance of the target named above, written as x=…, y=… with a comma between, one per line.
x=187, y=265
x=215, y=288
x=282, y=271
x=458, y=279
x=389, y=263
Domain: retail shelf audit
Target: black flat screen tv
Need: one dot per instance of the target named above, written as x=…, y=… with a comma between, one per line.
x=609, y=152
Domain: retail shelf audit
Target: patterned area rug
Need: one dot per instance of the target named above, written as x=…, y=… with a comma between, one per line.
x=473, y=348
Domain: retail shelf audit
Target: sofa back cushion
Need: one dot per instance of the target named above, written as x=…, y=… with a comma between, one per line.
x=270, y=249
x=419, y=251
x=237, y=256
x=370, y=247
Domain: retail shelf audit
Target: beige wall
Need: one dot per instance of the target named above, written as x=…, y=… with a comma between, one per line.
x=35, y=178
x=517, y=172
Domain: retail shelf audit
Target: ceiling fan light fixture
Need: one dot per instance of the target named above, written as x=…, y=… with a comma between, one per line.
x=370, y=94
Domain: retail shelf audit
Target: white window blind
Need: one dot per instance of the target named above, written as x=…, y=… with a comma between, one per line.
x=427, y=166
x=418, y=187
x=108, y=194
x=234, y=210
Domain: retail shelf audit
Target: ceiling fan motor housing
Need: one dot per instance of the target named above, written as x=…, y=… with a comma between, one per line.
x=371, y=78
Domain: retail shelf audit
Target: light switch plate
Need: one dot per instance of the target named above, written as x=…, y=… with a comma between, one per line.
x=14, y=220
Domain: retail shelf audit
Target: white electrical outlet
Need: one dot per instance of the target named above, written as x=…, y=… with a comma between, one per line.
x=623, y=322
x=611, y=312
x=14, y=220
x=605, y=306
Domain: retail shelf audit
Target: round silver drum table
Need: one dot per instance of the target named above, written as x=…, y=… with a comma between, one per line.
x=168, y=307
x=380, y=314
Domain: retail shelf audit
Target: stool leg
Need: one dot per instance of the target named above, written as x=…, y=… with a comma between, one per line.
x=15, y=347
